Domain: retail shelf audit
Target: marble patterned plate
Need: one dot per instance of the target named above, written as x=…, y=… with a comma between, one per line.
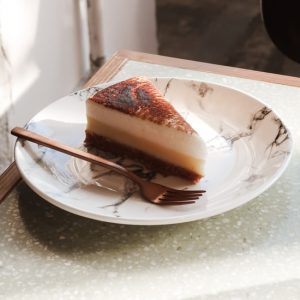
x=248, y=149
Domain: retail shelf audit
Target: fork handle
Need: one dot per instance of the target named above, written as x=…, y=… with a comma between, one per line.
x=41, y=140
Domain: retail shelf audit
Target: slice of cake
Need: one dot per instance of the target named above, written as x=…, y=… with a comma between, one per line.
x=132, y=119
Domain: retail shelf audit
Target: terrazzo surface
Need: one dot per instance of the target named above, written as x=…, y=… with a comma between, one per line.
x=252, y=252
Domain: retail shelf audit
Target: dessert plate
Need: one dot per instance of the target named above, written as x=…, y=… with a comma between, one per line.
x=248, y=149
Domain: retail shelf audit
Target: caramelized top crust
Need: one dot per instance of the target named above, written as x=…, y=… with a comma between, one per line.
x=138, y=97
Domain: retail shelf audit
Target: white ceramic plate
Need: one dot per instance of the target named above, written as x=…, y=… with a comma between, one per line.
x=248, y=149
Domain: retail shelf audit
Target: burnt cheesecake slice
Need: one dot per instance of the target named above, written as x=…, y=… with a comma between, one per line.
x=131, y=119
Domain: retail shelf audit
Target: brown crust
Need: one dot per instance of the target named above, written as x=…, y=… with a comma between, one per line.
x=148, y=161
x=138, y=97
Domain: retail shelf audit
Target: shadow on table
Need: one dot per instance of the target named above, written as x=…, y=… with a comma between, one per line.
x=235, y=232
x=62, y=231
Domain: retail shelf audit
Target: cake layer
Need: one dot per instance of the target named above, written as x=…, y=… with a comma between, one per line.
x=138, y=97
x=149, y=161
x=165, y=143
x=191, y=144
x=147, y=146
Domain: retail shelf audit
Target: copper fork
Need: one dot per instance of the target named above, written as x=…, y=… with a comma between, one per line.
x=153, y=192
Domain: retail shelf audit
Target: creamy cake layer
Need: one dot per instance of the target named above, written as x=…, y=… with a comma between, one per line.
x=185, y=150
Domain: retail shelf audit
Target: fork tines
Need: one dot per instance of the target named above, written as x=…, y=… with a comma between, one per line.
x=177, y=197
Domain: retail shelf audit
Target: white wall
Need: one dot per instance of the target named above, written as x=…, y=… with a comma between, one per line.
x=128, y=24
x=45, y=51
x=43, y=44
x=44, y=58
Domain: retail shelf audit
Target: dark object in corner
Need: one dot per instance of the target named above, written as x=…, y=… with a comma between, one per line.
x=282, y=22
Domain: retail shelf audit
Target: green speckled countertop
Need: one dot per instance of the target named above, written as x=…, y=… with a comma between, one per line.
x=252, y=252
